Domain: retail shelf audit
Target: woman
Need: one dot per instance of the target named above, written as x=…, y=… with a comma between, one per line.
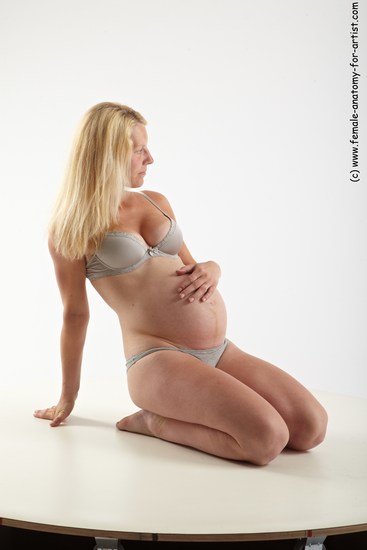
x=193, y=386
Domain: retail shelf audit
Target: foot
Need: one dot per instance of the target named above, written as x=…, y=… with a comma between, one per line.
x=139, y=422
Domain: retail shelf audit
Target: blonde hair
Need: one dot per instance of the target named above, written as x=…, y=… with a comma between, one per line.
x=96, y=177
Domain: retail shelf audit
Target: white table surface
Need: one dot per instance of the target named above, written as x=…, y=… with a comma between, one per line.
x=88, y=478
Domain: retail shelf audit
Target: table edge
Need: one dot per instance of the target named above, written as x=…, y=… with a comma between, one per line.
x=183, y=537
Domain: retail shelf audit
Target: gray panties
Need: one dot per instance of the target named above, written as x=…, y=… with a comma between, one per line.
x=209, y=356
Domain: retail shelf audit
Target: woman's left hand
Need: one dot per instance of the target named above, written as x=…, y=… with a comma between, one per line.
x=198, y=281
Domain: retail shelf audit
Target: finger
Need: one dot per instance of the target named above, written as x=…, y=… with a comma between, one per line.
x=59, y=416
x=185, y=269
x=208, y=294
x=184, y=282
x=200, y=293
x=45, y=413
x=192, y=287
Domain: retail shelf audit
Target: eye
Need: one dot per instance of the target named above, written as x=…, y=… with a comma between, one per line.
x=139, y=151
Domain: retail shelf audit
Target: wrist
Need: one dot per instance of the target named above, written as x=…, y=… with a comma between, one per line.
x=68, y=394
x=217, y=266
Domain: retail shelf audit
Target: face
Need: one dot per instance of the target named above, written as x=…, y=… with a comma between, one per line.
x=141, y=156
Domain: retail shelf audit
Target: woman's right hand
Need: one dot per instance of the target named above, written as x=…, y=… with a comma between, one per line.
x=58, y=413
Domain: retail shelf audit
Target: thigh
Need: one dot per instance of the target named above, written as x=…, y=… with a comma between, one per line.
x=297, y=406
x=181, y=387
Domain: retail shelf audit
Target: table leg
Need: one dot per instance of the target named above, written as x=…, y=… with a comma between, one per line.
x=311, y=543
x=108, y=544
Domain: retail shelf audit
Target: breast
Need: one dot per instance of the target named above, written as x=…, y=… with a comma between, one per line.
x=121, y=250
x=173, y=241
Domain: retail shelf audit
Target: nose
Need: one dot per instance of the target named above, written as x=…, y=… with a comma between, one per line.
x=149, y=159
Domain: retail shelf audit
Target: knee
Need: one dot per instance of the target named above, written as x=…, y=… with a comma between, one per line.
x=310, y=429
x=273, y=436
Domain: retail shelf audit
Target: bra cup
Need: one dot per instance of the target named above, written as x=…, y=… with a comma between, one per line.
x=173, y=242
x=119, y=253
x=123, y=252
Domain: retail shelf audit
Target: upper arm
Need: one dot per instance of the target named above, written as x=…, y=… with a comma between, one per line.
x=160, y=199
x=71, y=280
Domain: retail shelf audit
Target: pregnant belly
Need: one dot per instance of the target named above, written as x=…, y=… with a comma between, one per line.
x=152, y=313
x=197, y=325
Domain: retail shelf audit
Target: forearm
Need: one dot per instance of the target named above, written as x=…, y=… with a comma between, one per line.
x=73, y=335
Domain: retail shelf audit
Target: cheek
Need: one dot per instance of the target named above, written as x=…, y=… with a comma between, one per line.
x=135, y=169
x=134, y=166
x=136, y=162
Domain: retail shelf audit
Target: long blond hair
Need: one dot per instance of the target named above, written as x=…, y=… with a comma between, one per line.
x=96, y=177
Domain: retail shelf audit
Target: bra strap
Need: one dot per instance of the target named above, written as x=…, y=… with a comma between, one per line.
x=155, y=204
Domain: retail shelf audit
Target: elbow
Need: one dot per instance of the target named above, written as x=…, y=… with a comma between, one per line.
x=76, y=318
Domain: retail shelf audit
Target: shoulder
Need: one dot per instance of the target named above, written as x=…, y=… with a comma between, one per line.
x=65, y=267
x=157, y=197
x=161, y=200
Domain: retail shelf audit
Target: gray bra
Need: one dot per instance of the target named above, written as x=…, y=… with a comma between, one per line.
x=122, y=252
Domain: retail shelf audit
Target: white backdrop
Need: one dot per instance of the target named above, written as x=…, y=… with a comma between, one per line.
x=248, y=107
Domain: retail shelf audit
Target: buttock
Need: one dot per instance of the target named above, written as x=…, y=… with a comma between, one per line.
x=208, y=356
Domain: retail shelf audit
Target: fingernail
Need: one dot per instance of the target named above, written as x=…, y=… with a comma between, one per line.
x=182, y=295
x=191, y=300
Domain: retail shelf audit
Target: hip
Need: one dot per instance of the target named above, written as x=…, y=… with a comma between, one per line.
x=209, y=356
